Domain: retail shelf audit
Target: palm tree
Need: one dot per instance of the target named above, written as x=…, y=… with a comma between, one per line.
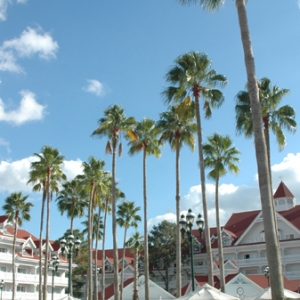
x=272, y=245
x=127, y=217
x=136, y=244
x=192, y=75
x=46, y=173
x=92, y=180
x=145, y=139
x=178, y=128
x=113, y=125
x=220, y=154
x=274, y=118
x=107, y=210
x=72, y=200
x=17, y=210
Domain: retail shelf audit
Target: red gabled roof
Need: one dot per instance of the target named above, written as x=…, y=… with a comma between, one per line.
x=282, y=191
x=239, y=222
x=3, y=219
x=21, y=234
x=109, y=291
x=292, y=215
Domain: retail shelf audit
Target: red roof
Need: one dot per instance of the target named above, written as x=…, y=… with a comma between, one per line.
x=282, y=191
x=109, y=291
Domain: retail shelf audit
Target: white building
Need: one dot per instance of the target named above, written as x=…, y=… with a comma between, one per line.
x=243, y=246
x=27, y=265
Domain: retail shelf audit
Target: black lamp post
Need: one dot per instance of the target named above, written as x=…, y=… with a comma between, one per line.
x=186, y=224
x=69, y=245
x=267, y=274
x=1, y=287
x=55, y=263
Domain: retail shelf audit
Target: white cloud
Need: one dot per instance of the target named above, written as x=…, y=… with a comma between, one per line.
x=28, y=110
x=238, y=198
x=3, y=9
x=14, y=175
x=167, y=217
x=95, y=87
x=31, y=42
x=5, y=144
x=72, y=168
x=21, y=1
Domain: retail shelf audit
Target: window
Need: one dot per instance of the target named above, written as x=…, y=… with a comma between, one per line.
x=247, y=256
x=3, y=250
x=21, y=270
x=21, y=288
x=2, y=269
x=289, y=236
x=290, y=201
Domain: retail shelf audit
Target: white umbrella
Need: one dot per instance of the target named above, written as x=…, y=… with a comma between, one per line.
x=207, y=292
x=267, y=294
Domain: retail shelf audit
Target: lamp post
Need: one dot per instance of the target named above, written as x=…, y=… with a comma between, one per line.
x=55, y=263
x=1, y=287
x=69, y=245
x=267, y=274
x=186, y=224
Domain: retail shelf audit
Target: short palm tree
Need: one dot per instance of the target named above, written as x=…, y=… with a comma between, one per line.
x=72, y=200
x=127, y=217
x=17, y=210
x=136, y=244
x=220, y=155
x=91, y=179
x=144, y=139
x=178, y=127
x=273, y=250
x=45, y=174
x=192, y=75
x=113, y=125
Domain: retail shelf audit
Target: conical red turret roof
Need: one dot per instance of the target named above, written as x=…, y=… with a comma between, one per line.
x=282, y=191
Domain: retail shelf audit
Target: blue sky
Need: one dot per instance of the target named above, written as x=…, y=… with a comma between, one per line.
x=62, y=63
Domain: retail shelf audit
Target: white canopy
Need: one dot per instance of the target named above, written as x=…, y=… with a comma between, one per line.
x=207, y=292
x=267, y=294
x=69, y=297
x=155, y=291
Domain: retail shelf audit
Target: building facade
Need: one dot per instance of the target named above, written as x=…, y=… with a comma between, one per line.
x=27, y=265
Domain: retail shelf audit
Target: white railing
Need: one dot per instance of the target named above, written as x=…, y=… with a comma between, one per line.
x=29, y=296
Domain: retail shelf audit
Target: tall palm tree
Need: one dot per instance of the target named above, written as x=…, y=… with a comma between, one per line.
x=145, y=139
x=274, y=118
x=219, y=155
x=136, y=244
x=178, y=128
x=92, y=180
x=45, y=173
x=17, y=210
x=272, y=245
x=127, y=217
x=108, y=200
x=192, y=75
x=113, y=125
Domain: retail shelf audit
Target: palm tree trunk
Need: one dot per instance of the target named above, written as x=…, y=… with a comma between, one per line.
x=41, y=245
x=146, y=257
x=204, y=202
x=114, y=227
x=90, y=245
x=178, y=235
x=46, y=257
x=103, y=251
x=96, y=256
x=220, y=241
x=136, y=276
x=123, y=264
x=13, y=261
x=272, y=247
x=71, y=261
